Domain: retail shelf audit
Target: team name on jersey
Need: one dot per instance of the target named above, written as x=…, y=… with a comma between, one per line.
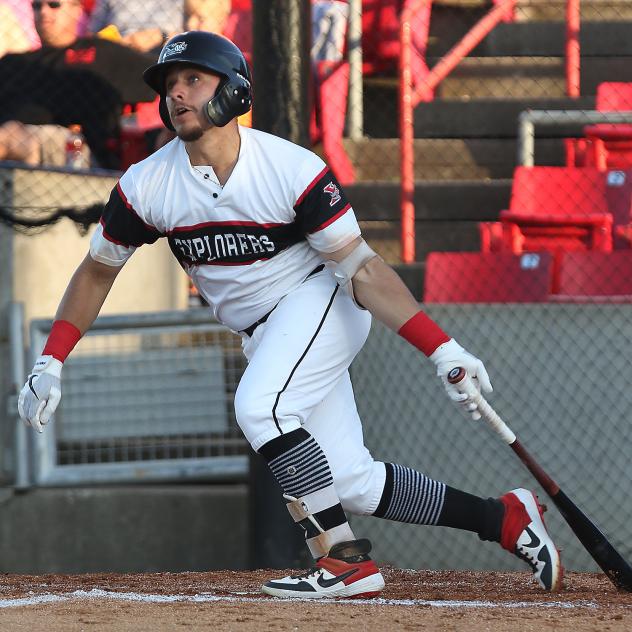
x=230, y=243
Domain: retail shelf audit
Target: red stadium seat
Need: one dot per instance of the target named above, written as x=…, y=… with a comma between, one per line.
x=595, y=277
x=609, y=146
x=557, y=209
x=560, y=196
x=473, y=277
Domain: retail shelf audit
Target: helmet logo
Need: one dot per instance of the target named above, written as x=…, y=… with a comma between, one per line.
x=174, y=49
x=246, y=82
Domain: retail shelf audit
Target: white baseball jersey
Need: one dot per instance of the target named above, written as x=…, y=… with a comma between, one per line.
x=245, y=245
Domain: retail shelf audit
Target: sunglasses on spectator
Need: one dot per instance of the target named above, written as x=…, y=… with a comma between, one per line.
x=52, y=4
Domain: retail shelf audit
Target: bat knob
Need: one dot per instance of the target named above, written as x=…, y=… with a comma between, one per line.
x=456, y=375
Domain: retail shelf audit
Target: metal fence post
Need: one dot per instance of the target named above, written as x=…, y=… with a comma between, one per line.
x=16, y=337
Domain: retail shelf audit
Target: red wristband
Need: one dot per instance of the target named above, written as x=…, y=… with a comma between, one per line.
x=62, y=340
x=422, y=332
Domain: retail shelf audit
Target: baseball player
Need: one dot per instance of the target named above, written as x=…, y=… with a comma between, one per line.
x=272, y=244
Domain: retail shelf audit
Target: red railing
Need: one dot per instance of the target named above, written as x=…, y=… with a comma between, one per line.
x=572, y=48
x=415, y=89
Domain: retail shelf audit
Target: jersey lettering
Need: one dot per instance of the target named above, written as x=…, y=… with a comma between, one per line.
x=220, y=243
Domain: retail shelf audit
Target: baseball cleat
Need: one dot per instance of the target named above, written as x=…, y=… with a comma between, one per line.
x=347, y=571
x=524, y=534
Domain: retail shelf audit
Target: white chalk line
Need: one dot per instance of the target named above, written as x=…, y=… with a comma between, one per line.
x=96, y=594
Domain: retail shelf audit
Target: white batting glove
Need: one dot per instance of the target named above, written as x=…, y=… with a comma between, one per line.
x=41, y=394
x=450, y=355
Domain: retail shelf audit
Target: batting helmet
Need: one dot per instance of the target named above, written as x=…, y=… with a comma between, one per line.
x=209, y=52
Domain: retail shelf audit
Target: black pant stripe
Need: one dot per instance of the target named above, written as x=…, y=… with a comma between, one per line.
x=311, y=342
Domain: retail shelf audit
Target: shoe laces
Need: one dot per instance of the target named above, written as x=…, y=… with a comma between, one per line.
x=528, y=558
x=308, y=573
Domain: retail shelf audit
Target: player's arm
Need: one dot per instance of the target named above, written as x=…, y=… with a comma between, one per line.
x=79, y=307
x=86, y=293
x=378, y=288
x=326, y=218
x=121, y=230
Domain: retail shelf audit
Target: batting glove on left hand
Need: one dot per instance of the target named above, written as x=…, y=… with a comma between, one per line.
x=450, y=355
x=41, y=394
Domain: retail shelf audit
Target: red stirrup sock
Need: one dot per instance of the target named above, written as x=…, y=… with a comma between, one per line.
x=422, y=332
x=62, y=340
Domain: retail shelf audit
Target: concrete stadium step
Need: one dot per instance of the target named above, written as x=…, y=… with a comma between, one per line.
x=548, y=39
x=504, y=77
x=435, y=201
x=476, y=118
x=539, y=10
x=447, y=214
x=445, y=158
x=528, y=77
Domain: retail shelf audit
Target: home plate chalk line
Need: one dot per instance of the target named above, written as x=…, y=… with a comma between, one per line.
x=96, y=594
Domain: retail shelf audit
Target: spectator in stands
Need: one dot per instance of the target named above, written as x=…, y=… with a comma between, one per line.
x=70, y=80
x=145, y=25
x=329, y=28
x=23, y=12
x=206, y=15
x=13, y=38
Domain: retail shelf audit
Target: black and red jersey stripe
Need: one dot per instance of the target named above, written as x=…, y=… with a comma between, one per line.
x=122, y=224
x=230, y=242
x=321, y=203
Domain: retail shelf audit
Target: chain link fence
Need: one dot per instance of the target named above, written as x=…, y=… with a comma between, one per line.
x=522, y=249
x=559, y=377
x=147, y=398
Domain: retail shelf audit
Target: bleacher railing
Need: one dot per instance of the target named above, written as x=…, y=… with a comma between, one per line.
x=417, y=89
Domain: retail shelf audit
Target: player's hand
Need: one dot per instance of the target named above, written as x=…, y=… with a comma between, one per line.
x=450, y=355
x=40, y=395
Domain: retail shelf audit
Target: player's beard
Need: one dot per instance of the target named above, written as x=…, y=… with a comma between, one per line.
x=190, y=135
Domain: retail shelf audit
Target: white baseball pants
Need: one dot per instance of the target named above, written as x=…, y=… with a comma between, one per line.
x=297, y=375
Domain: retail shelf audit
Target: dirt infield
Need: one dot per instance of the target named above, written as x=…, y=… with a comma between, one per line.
x=228, y=600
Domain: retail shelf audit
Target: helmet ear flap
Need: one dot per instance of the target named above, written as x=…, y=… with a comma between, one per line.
x=232, y=99
x=164, y=114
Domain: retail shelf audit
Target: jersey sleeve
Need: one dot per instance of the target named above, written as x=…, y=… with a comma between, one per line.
x=122, y=227
x=323, y=212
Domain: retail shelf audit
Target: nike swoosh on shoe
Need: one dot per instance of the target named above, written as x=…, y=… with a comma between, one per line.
x=328, y=583
x=535, y=541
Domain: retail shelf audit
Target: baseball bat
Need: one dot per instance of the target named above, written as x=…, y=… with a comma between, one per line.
x=595, y=542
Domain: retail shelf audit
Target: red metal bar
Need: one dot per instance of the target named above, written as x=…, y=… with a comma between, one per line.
x=511, y=12
x=425, y=90
x=572, y=48
x=406, y=135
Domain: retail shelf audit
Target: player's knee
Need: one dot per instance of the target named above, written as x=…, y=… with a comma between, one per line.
x=361, y=493
x=258, y=418
x=249, y=412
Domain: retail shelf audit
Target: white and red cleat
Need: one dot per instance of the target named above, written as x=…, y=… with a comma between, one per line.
x=524, y=534
x=347, y=571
